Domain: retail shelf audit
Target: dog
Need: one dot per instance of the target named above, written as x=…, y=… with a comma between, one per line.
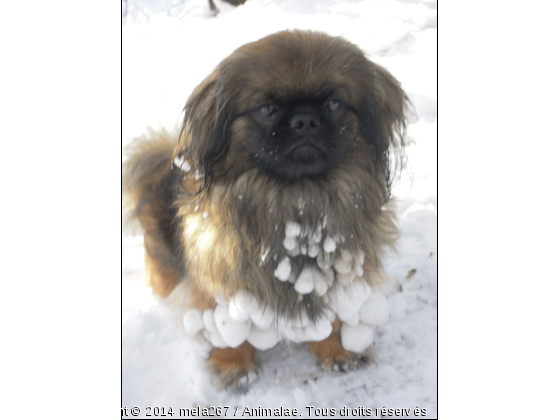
x=271, y=208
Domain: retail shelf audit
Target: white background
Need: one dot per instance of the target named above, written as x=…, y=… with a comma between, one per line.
x=498, y=224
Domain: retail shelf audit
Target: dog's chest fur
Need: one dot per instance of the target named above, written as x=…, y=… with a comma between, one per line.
x=302, y=254
x=320, y=279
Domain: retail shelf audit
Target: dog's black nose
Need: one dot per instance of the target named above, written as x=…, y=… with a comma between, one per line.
x=304, y=123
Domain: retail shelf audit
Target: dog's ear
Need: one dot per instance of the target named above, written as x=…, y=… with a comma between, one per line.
x=204, y=134
x=384, y=113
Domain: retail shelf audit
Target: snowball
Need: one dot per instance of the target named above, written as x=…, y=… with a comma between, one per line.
x=193, y=322
x=359, y=258
x=313, y=250
x=347, y=301
x=290, y=243
x=342, y=266
x=353, y=320
x=359, y=290
x=305, y=282
x=245, y=301
x=220, y=300
x=263, y=339
x=217, y=341
x=338, y=297
x=348, y=312
x=282, y=272
x=282, y=323
x=316, y=236
x=318, y=331
x=262, y=318
x=346, y=255
x=329, y=245
x=294, y=334
x=358, y=270
x=346, y=279
x=303, y=250
x=236, y=313
x=294, y=252
x=330, y=315
x=321, y=286
x=232, y=332
x=208, y=318
x=181, y=163
x=324, y=260
x=356, y=338
x=202, y=345
x=375, y=311
x=292, y=229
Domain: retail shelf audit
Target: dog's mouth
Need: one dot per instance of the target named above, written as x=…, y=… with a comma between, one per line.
x=306, y=149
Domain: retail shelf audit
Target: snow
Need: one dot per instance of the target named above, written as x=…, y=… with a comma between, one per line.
x=313, y=250
x=209, y=323
x=358, y=270
x=181, y=163
x=232, y=332
x=245, y=301
x=293, y=229
x=353, y=321
x=192, y=320
x=262, y=318
x=305, y=283
x=347, y=301
x=236, y=313
x=375, y=311
x=329, y=245
x=356, y=338
x=317, y=331
x=320, y=284
x=346, y=255
x=346, y=278
x=342, y=266
x=290, y=243
x=315, y=237
x=282, y=272
x=168, y=48
x=263, y=339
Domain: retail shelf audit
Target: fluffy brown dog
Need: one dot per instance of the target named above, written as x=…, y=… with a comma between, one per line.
x=271, y=207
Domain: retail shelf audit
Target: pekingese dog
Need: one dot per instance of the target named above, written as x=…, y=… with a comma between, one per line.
x=271, y=207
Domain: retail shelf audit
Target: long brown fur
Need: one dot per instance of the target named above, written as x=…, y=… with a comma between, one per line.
x=219, y=225
x=230, y=365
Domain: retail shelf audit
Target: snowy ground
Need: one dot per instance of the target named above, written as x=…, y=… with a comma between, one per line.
x=168, y=48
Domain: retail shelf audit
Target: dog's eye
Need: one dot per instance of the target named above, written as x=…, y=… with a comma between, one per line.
x=268, y=110
x=332, y=105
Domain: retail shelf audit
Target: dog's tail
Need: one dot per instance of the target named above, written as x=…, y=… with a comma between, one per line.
x=149, y=202
x=147, y=165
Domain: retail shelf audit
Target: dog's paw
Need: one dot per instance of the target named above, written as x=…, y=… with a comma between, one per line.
x=234, y=369
x=346, y=362
x=236, y=381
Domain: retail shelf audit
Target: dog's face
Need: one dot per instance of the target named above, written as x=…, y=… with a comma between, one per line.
x=296, y=135
x=295, y=105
